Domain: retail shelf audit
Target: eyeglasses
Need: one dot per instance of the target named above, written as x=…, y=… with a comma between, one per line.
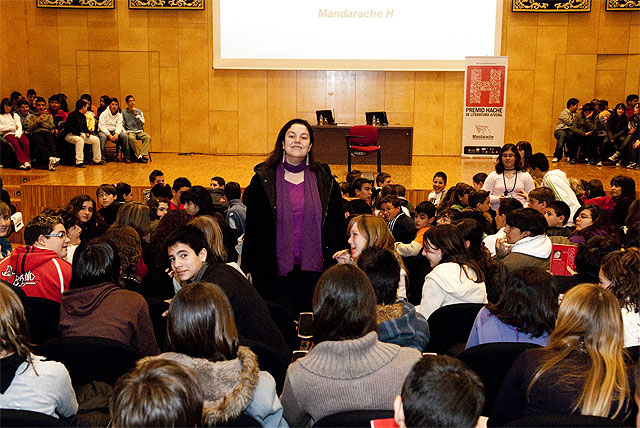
x=56, y=235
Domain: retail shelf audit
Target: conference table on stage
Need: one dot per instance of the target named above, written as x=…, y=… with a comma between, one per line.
x=396, y=145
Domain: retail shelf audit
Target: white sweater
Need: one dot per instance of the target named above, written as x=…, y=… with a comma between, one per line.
x=448, y=284
x=110, y=122
x=556, y=180
x=10, y=124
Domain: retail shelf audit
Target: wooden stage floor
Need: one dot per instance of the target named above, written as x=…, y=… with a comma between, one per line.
x=36, y=189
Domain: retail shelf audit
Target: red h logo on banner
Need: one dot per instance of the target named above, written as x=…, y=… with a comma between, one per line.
x=485, y=85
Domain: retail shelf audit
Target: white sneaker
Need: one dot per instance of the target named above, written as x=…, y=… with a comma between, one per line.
x=599, y=163
x=619, y=163
x=632, y=165
x=554, y=160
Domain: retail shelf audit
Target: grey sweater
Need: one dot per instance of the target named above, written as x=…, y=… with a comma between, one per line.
x=358, y=374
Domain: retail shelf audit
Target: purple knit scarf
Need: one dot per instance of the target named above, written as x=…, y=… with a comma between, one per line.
x=311, y=245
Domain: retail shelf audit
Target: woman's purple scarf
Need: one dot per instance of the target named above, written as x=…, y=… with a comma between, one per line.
x=311, y=245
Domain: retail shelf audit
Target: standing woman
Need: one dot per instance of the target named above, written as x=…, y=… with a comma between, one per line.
x=295, y=221
x=11, y=130
x=509, y=179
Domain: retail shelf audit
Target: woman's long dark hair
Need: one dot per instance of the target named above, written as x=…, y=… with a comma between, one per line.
x=528, y=152
x=599, y=222
x=448, y=239
x=514, y=149
x=529, y=302
x=90, y=229
x=275, y=157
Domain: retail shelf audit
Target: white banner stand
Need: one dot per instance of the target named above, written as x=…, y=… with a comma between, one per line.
x=485, y=94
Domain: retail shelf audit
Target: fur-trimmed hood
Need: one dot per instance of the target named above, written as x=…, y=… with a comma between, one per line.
x=228, y=385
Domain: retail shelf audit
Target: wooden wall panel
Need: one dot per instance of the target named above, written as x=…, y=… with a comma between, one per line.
x=191, y=107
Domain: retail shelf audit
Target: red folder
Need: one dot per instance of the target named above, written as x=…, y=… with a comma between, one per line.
x=563, y=259
x=384, y=423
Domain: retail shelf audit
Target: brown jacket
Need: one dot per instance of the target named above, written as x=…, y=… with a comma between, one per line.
x=109, y=311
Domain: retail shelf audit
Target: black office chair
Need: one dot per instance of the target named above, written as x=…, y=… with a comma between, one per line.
x=90, y=358
x=353, y=418
x=565, y=421
x=268, y=360
x=450, y=327
x=43, y=316
x=491, y=362
x=362, y=140
x=285, y=323
x=27, y=418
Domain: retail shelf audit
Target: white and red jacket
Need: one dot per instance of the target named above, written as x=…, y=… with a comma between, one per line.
x=38, y=271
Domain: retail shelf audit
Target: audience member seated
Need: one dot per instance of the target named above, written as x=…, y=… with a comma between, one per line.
x=106, y=196
x=54, y=109
x=191, y=261
x=525, y=313
x=237, y=213
x=84, y=209
x=423, y=220
x=159, y=207
x=11, y=130
x=38, y=268
x=42, y=132
x=456, y=277
x=584, y=136
x=440, y=391
x=539, y=198
x=617, y=128
x=6, y=228
x=478, y=180
x=348, y=363
x=591, y=221
x=217, y=183
x=457, y=198
x=159, y=393
x=557, y=214
x=111, y=127
x=361, y=204
x=620, y=274
x=526, y=243
x=494, y=273
x=562, y=131
x=197, y=201
x=77, y=133
x=96, y=305
x=508, y=179
x=156, y=177
x=210, y=226
x=580, y=371
x=398, y=321
x=401, y=226
x=369, y=231
x=202, y=336
x=439, y=184
x=180, y=185
x=29, y=382
x=71, y=225
x=623, y=192
x=129, y=246
x=133, y=120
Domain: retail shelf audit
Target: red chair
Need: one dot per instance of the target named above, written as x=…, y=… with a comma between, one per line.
x=362, y=140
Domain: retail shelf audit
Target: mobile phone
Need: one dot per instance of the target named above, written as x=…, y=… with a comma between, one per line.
x=305, y=325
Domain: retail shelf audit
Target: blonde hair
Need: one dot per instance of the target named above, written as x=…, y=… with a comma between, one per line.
x=576, y=186
x=14, y=328
x=589, y=321
x=376, y=232
x=212, y=232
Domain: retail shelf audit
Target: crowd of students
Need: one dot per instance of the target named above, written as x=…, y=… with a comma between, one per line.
x=377, y=269
x=32, y=131
x=599, y=135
